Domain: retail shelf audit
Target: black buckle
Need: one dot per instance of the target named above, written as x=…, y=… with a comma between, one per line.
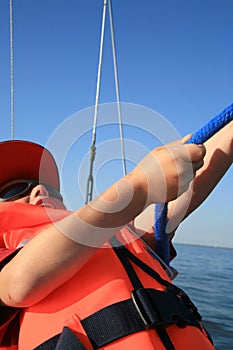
x=163, y=308
x=187, y=301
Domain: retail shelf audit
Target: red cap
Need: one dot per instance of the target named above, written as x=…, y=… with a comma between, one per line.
x=27, y=160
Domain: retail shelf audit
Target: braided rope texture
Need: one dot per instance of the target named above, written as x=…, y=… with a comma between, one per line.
x=202, y=135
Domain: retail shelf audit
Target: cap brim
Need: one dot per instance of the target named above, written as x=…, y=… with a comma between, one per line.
x=27, y=160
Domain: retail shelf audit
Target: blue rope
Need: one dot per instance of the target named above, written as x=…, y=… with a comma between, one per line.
x=202, y=135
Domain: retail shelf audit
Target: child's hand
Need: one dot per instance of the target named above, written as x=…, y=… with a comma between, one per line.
x=166, y=172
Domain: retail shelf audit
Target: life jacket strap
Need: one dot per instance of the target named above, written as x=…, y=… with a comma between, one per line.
x=127, y=258
x=66, y=340
x=148, y=308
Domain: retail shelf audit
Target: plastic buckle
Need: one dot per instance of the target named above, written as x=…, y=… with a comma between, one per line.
x=144, y=307
x=187, y=301
x=161, y=308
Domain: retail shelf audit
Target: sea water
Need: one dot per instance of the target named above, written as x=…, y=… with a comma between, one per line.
x=206, y=275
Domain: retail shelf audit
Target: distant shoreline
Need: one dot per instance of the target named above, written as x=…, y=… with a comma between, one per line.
x=203, y=245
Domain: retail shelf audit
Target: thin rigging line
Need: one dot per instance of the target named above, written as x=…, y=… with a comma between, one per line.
x=117, y=89
x=89, y=191
x=12, y=71
x=90, y=181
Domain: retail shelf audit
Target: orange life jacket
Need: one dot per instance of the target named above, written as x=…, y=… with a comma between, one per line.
x=121, y=299
x=97, y=304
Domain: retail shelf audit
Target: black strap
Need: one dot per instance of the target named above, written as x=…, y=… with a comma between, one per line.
x=49, y=344
x=121, y=252
x=117, y=321
x=103, y=327
x=69, y=341
x=148, y=308
x=112, y=322
x=66, y=340
x=124, y=255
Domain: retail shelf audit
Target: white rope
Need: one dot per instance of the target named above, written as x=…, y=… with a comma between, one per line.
x=117, y=89
x=89, y=191
x=12, y=70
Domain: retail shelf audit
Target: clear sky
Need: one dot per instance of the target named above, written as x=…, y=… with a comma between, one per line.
x=174, y=57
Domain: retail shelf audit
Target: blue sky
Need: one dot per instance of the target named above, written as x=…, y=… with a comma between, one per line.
x=174, y=57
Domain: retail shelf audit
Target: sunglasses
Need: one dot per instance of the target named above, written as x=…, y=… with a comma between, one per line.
x=20, y=188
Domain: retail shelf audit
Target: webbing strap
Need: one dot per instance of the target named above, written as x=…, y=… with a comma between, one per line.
x=121, y=250
x=147, y=309
x=49, y=344
x=125, y=255
x=113, y=322
x=66, y=340
x=107, y=325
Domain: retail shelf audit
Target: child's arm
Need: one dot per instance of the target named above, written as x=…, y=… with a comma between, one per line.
x=58, y=252
x=218, y=159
